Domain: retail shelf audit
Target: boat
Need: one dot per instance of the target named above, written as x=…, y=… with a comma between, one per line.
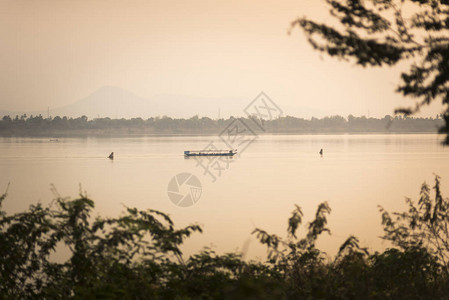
x=210, y=152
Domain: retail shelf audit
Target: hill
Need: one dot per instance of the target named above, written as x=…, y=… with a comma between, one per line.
x=115, y=102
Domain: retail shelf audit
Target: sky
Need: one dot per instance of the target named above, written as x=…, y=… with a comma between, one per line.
x=55, y=52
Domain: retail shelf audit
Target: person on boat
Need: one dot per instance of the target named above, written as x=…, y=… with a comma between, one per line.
x=321, y=152
x=111, y=156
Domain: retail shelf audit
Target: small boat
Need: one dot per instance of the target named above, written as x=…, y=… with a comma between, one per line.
x=211, y=153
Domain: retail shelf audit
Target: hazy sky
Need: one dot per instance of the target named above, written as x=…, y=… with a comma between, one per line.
x=55, y=52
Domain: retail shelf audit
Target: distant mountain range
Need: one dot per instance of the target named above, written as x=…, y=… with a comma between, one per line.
x=115, y=102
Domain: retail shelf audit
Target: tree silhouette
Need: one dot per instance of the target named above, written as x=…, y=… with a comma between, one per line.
x=384, y=32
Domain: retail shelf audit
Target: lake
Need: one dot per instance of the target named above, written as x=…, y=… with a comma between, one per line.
x=257, y=188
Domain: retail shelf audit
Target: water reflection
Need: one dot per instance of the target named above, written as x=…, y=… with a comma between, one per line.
x=257, y=189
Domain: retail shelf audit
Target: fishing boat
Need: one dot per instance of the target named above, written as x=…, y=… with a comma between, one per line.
x=210, y=152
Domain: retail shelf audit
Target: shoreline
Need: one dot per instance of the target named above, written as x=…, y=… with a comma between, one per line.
x=125, y=135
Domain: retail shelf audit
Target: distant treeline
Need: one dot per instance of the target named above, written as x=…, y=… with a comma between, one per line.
x=53, y=126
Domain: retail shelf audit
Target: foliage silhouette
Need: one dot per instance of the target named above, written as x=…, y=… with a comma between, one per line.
x=425, y=224
x=138, y=256
x=384, y=32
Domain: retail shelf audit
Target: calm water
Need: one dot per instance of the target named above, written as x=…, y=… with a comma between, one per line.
x=259, y=189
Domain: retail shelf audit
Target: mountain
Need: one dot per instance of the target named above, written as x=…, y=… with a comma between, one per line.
x=115, y=102
x=108, y=101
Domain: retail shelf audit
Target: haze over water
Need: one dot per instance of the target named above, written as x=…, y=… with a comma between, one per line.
x=259, y=189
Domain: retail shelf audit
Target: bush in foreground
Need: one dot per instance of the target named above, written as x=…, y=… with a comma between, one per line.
x=138, y=256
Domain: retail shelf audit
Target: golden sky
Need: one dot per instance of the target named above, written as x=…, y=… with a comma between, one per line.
x=55, y=52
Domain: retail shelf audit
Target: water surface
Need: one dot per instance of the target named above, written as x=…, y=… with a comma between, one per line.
x=259, y=189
